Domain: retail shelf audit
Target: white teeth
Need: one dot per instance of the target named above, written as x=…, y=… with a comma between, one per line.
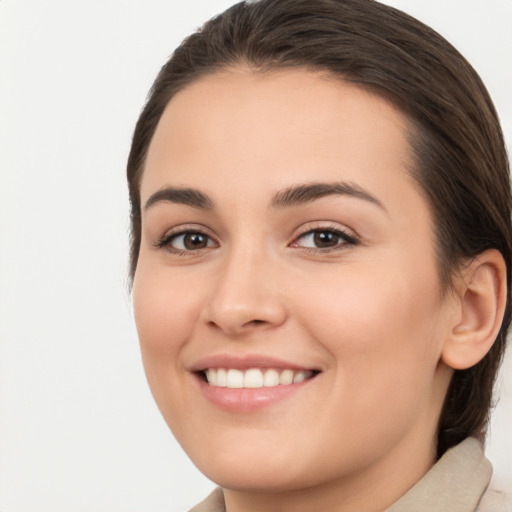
x=234, y=379
x=222, y=380
x=254, y=377
x=286, y=377
x=271, y=378
x=300, y=376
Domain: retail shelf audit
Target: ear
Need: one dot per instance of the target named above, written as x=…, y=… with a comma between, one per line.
x=482, y=291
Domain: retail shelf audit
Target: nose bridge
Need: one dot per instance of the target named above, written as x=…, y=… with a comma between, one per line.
x=246, y=295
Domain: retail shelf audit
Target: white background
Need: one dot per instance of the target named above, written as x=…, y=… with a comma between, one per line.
x=78, y=428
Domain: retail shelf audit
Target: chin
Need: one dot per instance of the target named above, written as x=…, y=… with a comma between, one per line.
x=251, y=479
x=253, y=470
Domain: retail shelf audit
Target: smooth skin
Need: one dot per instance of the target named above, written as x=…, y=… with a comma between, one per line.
x=346, y=284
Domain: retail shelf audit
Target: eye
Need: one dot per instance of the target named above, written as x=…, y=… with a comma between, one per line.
x=324, y=239
x=186, y=242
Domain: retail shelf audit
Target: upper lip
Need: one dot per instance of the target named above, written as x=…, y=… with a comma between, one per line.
x=245, y=362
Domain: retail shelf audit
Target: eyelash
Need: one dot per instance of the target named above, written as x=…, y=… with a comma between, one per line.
x=346, y=240
x=168, y=238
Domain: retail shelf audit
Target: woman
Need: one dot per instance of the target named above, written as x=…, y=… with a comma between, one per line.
x=321, y=254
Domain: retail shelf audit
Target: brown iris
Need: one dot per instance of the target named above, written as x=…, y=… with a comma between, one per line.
x=324, y=239
x=193, y=241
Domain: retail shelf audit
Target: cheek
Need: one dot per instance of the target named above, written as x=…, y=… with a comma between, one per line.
x=165, y=315
x=378, y=326
x=381, y=340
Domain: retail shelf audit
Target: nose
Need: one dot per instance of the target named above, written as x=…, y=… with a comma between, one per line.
x=246, y=296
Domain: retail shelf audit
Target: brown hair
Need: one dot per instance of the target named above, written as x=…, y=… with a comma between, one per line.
x=460, y=158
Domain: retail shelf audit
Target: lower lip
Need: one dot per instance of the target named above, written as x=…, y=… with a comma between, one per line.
x=248, y=399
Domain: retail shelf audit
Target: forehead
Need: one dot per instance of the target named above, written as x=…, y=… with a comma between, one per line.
x=270, y=130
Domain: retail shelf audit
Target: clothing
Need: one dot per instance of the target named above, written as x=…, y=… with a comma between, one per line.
x=458, y=482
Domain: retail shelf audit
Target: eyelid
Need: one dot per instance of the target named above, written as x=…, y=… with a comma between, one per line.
x=348, y=237
x=164, y=241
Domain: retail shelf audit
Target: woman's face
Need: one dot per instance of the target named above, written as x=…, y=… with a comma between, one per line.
x=283, y=240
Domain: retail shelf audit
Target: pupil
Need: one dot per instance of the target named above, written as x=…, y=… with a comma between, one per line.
x=325, y=239
x=194, y=241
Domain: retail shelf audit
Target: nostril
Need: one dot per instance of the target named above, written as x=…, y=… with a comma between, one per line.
x=253, y=323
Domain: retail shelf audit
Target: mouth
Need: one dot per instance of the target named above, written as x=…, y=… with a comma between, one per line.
x=254, y=378
x=251, y=382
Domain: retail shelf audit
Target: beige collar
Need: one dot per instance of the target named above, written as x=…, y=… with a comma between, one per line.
x=455, y=483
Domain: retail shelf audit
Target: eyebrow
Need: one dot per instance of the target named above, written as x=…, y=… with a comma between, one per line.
x=187, y=196
x=293, y=196
x=302, y=194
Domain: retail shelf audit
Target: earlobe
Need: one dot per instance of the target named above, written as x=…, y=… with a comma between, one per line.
x=482, y=291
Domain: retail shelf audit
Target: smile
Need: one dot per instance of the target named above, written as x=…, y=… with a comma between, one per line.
x=254, y=377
